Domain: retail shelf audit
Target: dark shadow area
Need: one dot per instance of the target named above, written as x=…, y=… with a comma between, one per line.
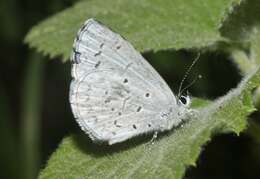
x=86, y=145
x=57, y=118
x=219, y=73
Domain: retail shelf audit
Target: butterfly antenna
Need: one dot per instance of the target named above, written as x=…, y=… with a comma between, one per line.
x=186, y=75
x=189, y=85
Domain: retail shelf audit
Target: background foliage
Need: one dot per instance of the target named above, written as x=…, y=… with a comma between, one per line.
x=34, y=109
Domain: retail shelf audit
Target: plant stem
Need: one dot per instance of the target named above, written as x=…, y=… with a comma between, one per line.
x=31, y=109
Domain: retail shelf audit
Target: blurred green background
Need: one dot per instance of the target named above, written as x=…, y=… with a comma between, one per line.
x=35, y=113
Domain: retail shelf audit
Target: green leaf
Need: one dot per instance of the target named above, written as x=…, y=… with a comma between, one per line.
x=169, y=156
x=148, y=24
x=241, y=24
x=242, y=28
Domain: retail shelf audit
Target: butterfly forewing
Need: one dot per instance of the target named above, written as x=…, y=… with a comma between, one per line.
x=115, y=93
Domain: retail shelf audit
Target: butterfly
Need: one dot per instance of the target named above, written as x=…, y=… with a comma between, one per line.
x=115, y=94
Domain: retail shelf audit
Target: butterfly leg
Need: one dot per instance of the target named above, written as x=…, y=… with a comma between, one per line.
x=155, y=134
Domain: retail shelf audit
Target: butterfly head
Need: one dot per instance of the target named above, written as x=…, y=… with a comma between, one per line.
x=184, y=101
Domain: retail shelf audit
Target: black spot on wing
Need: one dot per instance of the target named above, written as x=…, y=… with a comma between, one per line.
x=139, y=109
x=101, y=45
x=115, y=123
x=98, y=53
x=76, y=56
x=108, y=100
x=97, y=64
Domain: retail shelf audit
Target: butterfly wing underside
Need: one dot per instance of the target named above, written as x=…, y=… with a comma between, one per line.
x=115, y=93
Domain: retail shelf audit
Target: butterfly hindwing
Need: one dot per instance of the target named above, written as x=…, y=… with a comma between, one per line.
x=115, y=93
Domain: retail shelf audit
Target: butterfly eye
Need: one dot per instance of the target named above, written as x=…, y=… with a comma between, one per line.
x=185, y=100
